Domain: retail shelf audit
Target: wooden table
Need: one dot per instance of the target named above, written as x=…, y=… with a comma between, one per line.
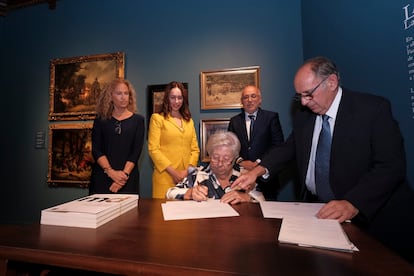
x=141, y=242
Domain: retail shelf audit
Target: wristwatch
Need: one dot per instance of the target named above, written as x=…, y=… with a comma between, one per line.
x=239, y=160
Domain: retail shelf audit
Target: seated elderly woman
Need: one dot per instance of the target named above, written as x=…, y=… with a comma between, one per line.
x=215, y=179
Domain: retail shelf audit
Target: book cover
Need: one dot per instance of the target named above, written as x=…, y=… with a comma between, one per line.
x=90, y=211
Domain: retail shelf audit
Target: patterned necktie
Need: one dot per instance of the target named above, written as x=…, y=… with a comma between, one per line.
x=251, y=126
x=323, y=156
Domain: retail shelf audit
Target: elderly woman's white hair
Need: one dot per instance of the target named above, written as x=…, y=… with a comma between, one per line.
x=226, y=139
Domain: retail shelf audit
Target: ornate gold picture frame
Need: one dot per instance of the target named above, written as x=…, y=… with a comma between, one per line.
x=222, y=89
x=208, y=127
x=76, y=82
x=70, y=154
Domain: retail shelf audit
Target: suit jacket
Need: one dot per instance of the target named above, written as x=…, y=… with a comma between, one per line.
x=267, y=132
x=367, y=166
x=367, y=154
x=170, y=145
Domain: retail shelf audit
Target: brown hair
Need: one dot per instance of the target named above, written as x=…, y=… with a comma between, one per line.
x=166, y=108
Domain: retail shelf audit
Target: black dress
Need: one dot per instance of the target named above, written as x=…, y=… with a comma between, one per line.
x=119, y=141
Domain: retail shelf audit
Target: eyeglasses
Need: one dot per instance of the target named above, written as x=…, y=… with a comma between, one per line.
x=118, y=128
x=225, y=161
x=308, y=95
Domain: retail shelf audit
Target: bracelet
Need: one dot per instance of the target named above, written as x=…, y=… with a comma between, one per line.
x=127, y=174
x=107, y=169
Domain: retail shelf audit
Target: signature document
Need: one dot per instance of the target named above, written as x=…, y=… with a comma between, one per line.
x=277, y=209
x=191, y=209
x=314, y=232
x=300, y=226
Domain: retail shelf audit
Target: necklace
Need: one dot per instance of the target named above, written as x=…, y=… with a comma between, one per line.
x=179, y=122
x=178, y=119
x=119, y=115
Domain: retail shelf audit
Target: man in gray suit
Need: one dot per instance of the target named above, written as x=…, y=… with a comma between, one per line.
x=366, y=165
x=258, y=130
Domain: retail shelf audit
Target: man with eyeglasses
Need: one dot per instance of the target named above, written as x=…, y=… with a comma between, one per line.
x=258, y=130
x=365, y=165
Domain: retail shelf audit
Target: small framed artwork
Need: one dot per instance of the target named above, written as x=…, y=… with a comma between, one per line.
x=76, y=83
x=70, y=155
x=222, y=89
x=208, y=127
x=155, y=98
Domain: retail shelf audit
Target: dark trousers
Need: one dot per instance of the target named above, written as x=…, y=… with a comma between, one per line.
x=394, y=223
x=270, y=189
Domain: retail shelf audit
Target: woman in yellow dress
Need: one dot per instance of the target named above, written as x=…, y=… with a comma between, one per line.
x=172, y=140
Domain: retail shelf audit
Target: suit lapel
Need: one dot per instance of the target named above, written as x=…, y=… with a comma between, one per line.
x=242, y=126
x=306, y=133
x=343, y=120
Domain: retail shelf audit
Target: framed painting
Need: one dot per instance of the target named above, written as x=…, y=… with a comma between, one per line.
x=76, y=83
x=208, y=127
x=70, y=155
x=155, y=98
x=222, y=89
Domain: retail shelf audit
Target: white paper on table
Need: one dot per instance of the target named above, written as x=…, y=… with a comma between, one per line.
x=191, y=209
x=278, y=209
x=313, y=232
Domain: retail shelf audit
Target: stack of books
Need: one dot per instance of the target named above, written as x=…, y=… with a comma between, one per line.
x=89, y=212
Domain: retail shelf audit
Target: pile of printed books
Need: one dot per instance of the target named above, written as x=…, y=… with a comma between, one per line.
x=89, y=212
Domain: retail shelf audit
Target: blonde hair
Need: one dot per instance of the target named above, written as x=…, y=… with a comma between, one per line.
x=105, y=106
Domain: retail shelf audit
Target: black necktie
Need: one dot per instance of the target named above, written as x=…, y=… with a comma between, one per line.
x=323, y=156
x=251, y=126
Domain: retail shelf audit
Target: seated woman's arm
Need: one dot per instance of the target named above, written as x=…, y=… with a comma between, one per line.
x=183, y=189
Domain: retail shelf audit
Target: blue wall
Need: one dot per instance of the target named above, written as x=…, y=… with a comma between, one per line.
x=367, y=42
x=176, y=40
x=163, y=41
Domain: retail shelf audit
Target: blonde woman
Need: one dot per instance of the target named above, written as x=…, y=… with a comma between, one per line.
x=117, y=140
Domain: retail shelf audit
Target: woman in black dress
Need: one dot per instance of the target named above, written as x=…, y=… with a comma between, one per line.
x=117, y=140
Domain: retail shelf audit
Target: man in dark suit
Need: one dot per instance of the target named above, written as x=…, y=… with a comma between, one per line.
x=265, y=132
x=366, y=161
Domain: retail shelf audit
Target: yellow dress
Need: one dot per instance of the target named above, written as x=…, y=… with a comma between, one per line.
x=170, y=145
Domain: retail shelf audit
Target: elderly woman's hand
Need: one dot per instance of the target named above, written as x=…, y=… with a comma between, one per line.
x=199, y=192
x=234, y=197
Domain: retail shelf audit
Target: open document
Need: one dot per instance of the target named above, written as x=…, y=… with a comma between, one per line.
x=277, y=209
x=300, y=226
x=191, y=209
x=314, y=232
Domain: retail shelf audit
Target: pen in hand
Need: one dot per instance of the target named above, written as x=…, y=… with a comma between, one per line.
x=200, y=192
